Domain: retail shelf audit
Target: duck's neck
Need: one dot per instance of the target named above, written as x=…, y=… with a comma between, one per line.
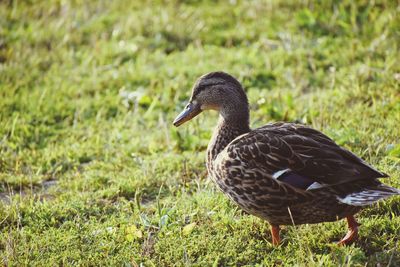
x=226, y=130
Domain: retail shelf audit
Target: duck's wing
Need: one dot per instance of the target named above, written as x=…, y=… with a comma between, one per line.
x=300, y=156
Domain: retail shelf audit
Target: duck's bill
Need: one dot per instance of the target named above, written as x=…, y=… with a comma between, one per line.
x=187, y=114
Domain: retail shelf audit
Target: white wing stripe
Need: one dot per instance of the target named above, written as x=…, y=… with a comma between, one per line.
x=278, y=174
x=315, y=185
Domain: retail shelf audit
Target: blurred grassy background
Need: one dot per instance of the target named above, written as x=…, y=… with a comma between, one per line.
x=93, y=173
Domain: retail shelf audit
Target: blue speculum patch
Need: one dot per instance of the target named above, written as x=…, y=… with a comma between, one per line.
x=295, y=180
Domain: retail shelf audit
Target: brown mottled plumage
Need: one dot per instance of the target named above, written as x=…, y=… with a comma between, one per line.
x=285, y=173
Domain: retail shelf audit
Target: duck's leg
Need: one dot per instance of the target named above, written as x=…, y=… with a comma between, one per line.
x=275, y=234
x=352, y=234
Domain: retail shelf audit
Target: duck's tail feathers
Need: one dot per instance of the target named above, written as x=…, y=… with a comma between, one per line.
x=369, y=195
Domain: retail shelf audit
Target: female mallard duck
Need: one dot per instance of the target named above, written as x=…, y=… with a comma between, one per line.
x=284, y=173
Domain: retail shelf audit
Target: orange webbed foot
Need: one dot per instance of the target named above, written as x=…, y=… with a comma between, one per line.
x=275, y=235
x=352, y=234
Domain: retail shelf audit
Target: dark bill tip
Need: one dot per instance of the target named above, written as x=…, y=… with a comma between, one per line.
x=187, y=114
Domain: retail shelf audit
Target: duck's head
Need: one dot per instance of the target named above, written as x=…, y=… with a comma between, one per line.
x=216, y=91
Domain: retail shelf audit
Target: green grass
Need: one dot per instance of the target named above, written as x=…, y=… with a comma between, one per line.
x=92, y=172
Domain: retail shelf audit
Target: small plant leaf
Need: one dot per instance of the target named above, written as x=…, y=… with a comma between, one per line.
x=187, y=229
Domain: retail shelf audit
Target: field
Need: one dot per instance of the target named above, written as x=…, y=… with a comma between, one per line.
x=92, y=171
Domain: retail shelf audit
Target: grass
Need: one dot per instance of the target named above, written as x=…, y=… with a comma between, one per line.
x=92, y=172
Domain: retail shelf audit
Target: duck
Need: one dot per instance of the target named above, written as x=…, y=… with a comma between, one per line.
x=285, y=173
